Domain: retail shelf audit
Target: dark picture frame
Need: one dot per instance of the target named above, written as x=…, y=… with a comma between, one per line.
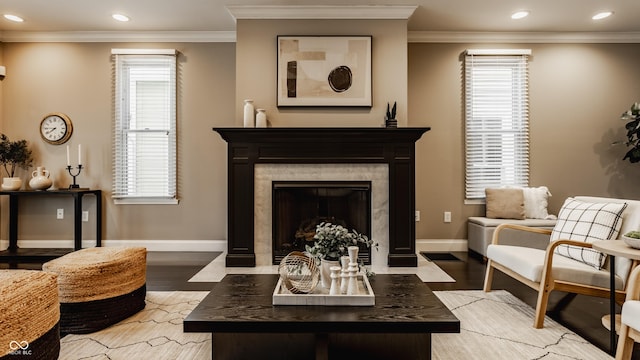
x=324, y=71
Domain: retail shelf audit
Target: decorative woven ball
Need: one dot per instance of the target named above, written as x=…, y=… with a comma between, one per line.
x=299, y=272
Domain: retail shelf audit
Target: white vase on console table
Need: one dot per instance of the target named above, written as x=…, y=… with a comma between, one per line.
x=40, y=179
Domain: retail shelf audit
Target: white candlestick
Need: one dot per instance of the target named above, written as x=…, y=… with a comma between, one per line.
x=79, y=154
x=68, y=160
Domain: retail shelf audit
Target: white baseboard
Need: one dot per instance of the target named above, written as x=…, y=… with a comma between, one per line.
x=151, y=245
x=441, y=245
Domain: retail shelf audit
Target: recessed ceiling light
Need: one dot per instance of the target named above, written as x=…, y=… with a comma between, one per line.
x=519, y=14
x=120, y=17
x=13, y=18
x=602, y=15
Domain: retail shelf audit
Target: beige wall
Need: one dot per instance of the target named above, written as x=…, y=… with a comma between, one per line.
x=75, y=78
x=256, y=70
x=577, y=94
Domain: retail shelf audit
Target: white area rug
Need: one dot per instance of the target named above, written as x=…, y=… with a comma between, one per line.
x=497, y=326
x=153, y=333
x=494, y=326
x=427, y=271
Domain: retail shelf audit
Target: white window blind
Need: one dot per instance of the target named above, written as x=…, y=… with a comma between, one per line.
x=145, y=126
x=496, y=120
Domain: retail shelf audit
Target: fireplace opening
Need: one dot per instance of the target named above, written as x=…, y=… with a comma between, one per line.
x=298, y=206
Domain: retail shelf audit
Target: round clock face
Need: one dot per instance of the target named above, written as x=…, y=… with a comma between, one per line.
x=56, y=129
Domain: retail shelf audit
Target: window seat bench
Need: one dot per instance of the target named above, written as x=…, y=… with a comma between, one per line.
x=480, y=232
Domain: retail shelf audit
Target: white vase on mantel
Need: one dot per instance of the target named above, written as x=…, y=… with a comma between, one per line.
x=249, y=114
x=261, y=118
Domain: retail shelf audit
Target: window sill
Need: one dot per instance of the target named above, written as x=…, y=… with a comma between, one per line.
x=475, y=201
x=145, y=201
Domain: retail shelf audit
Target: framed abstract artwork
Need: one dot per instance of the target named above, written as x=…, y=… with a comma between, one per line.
x=324, y=71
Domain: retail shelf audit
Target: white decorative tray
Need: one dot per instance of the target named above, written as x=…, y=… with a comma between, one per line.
x=320, y=296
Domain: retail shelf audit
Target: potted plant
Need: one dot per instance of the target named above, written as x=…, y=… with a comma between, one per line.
x=390, y=120
x=632, y=116
x=632, y=238
x=331, y=242
x=13, y=155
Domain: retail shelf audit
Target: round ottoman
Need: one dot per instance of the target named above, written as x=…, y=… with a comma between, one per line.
x=29, y=315
x=99, y=286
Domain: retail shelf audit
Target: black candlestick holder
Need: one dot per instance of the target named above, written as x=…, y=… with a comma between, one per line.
x=69, y=168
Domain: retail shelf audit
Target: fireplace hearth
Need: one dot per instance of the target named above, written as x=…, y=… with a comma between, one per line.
x=343, y=147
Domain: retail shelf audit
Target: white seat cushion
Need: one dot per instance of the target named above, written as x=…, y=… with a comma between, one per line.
x=529, y=262
x=631, y=314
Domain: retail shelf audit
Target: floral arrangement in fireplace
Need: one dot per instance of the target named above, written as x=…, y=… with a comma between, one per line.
x=331, y=241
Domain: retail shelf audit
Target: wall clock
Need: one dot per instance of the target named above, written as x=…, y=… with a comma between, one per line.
x=56, y=128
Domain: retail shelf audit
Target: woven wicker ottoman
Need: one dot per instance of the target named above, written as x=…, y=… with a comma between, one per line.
x=29, y=315
x=99, y=286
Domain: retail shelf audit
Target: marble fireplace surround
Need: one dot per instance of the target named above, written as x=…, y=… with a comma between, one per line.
x=265, y=174
x=256, y=157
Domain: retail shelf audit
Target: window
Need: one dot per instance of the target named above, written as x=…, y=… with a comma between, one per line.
x=496, y=120
x=145, y=126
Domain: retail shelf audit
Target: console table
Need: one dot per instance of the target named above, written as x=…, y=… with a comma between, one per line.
x=14, y=254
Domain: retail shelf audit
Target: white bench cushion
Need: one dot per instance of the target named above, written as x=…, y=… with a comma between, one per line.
x=529, y=262
x=631, y=314
x=480, y=232
x=485, y=221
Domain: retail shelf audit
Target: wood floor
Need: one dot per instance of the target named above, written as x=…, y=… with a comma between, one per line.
x=170, y=271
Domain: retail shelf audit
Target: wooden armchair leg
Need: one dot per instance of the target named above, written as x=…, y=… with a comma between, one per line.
x=625, y=344
x=488, y=276
x=541, y=306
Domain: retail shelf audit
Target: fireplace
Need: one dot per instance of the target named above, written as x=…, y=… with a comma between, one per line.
x=314, y=153
x=299, y=206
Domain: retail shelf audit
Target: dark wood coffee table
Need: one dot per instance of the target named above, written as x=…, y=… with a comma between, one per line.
x=245, y=325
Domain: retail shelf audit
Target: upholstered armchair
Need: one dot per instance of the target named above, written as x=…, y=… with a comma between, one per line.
x=568, y=263
x=630, y=319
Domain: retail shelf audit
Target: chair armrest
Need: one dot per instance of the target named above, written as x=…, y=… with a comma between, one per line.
x=534, y=230
x=633, y=291
x=548, y=258
x=554, y=244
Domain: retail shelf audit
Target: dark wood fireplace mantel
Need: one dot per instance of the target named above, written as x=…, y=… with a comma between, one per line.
x=249, y=146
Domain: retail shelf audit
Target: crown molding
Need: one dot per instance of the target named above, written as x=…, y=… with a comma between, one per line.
x=118, y=36
x=334, y=12
x=230, y=36
x=522, y=37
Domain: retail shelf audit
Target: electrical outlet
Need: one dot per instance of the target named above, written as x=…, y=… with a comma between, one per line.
x=60, y=214
x=417, y=215
x=447, y=216
x=85, y=216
